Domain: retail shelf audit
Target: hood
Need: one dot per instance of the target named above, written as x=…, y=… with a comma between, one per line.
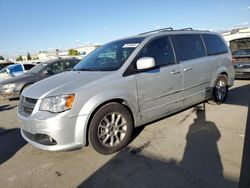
x=63, y=83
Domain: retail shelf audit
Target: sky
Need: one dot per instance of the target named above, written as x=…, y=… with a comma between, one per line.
x=34, y=25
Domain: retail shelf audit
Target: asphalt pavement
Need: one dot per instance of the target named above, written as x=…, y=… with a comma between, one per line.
x=199, y=147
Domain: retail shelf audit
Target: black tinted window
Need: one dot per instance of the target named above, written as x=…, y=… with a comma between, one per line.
x=69, y=64
x=188, y=46
x=214, y=44
x=4, y=65
x=28, y=66
x=54, y=68
x=161, y=50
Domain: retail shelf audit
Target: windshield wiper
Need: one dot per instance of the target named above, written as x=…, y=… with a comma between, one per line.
x=97, y=70
x=83, y=69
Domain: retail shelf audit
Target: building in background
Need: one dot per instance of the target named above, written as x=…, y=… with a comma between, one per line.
x=86, y=49
x=24, y=57
x=83, y=50
x=46, y=55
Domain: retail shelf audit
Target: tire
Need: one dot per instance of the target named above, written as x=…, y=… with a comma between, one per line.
x=111, y=128
x=220, y=89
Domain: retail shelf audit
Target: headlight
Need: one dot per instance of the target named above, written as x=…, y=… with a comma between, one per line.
x=8, y=86
x=57, y=104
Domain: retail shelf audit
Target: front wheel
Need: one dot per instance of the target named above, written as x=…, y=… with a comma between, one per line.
x=220, y=90
x=111, y=128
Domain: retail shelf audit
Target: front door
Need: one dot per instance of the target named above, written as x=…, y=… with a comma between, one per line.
x=159, y=90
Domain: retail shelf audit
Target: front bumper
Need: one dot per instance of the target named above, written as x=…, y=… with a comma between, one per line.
x=242, y=73
x=55, y=132
x=242, y=70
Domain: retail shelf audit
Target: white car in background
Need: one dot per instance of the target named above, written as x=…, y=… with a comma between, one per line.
x=14, y=70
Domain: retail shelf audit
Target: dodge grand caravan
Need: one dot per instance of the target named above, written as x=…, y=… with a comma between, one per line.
x=124, y=84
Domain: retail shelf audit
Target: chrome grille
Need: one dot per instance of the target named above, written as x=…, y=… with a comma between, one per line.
x=26, y=105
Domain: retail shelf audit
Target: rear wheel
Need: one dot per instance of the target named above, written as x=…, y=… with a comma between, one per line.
x=111, y=128
x=220, y=90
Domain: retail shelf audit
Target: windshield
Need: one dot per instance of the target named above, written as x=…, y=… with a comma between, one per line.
x=38, y=68
x=109, y=57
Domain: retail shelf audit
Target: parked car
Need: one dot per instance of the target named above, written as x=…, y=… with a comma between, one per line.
x=14, y=70
x=12, y=87
x=241, y=60
x=124, y=84
x=3, y=65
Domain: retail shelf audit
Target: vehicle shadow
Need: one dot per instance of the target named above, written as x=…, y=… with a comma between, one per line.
x=245, y=165
x=10, y=142
x=239, y=96
x=7, y=107
x=200, y=167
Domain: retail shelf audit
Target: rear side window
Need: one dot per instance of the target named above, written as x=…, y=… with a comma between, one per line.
x=161, y=50
x=214, y=44
x=188, y=46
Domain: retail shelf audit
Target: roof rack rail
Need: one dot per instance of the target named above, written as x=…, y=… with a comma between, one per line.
x=158, y=30
x=186, y=29
x=171, y=29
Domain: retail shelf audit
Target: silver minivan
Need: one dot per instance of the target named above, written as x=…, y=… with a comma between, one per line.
x=124, y=84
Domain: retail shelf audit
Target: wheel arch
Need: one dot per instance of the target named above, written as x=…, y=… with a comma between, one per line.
x=221, y=71
x=115, y=100
x=24, y=86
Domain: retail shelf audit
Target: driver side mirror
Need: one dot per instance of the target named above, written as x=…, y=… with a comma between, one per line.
x=145, y=63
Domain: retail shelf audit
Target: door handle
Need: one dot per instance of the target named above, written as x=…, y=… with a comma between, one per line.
x=175, y=72
x=188, y=69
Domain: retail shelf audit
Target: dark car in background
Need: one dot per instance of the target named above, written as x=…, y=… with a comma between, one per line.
x=241, y=59
x=13, y=87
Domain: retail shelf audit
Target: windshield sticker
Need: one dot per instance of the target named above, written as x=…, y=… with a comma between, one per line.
x=131, y=45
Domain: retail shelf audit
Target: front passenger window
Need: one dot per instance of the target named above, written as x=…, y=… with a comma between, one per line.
x=161, y=50
x=55, y=68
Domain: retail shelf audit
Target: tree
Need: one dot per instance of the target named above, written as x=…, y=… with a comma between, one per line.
x=73, y=52
x=1, y=57
x=28, y=56
x=20, y=58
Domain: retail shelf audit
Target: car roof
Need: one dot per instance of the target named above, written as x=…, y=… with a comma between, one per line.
x=168, y=31
x=57, y=60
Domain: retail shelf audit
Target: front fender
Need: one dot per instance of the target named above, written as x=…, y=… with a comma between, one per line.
x=97, y=100
x=100, y=98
